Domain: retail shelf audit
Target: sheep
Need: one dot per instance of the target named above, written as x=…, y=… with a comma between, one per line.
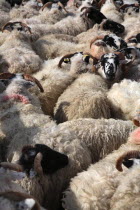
x=82, y=21
x=11, y=97
x=57, y=80
x=110, y=10
x=123, y=96
x=85, y=97
x=130, y=17
x=69, y=139
x=105, y=44
x=19, y=44
x=12, y=196
x=48, y=15
x=95, y=187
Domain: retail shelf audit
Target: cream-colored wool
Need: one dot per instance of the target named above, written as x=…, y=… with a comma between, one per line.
x=124, y=99
x=111, y=11
x=4, y=13
x=80, y=25
x=94, y=188
x=18, y=54
x=85, y=98
x=127, y=193
x=55, y=80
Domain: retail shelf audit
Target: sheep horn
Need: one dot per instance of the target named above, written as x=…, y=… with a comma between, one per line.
x=7, y=24
x=48, y=5
x=136, y=122
x=127, y=155
x=124, y=6
x=101, y=2
x=19, y=196
x=62, y=59
x=121, y=55
x=25, y=26
x=94, y=39
x=37, y=164
x=7, y=76
x=33, y=79
x=62, y=6
x=11, y=166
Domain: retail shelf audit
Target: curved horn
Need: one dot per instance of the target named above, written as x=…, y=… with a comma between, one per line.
x=62, y=59
x=96, y=38
x=25, y=26
x=12, y=166
x=19, y=196
x=62, y=6
x=101, y=2
x=37, y=164
x=127, y=155
x=48, y=5
x=136, y=122
x=7, y=76
x=33, y=79
x=9, y=23
x=124, y=6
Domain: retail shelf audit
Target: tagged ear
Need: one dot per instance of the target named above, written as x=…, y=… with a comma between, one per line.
x=86, y=58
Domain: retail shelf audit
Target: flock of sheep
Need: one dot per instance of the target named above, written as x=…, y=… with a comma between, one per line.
x=69, y=105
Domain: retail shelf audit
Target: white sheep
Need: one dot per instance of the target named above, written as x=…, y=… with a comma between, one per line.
x=124, y=99
x=69, y=138
x=84, y=98
x=110, y=10
x=18, y=55
x=56, y=76
x=95, y=187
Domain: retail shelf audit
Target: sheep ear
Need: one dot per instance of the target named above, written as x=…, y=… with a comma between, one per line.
x=37, y=164
x=136, y=122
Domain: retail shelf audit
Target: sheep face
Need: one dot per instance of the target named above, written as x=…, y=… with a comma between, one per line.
x=134, y=39
x=109, y=67
x=113, y=27
x=131, y=10
x=114, y=42
x=93, y=14
x=51, y=160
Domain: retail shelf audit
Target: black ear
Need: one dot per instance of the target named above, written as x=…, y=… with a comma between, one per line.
x=52, y=160
x=138, y=38
x=123, y=44
x=95, y=15
x=86, y=58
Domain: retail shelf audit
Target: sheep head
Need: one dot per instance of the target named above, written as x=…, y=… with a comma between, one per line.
x=109, y=66
x=114, y=27
x=104, y=44
x=129, y=8
x=19, y=26
x=134, y=39
x=42, y=159
x=128, y=159
x=90, y=13
x=130, y=54
x=7, y=77
x=79, y=62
